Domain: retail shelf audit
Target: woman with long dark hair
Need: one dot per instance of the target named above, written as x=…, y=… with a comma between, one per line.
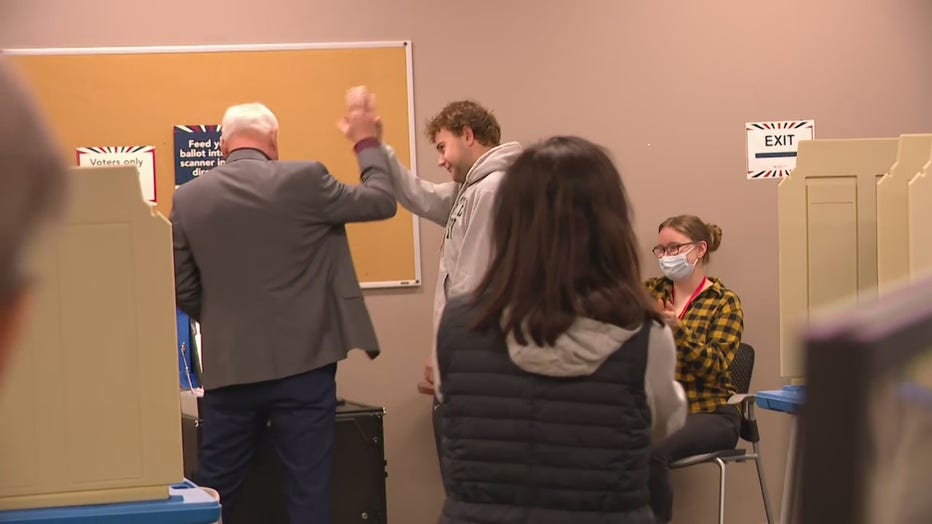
x=557, y=372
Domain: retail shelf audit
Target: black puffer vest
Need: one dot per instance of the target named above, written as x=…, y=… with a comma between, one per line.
x=525, y=448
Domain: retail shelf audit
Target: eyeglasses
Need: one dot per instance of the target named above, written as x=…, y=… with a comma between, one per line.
x=669, y=249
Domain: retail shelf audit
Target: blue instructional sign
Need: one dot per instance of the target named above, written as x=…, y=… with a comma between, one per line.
x=197, y=150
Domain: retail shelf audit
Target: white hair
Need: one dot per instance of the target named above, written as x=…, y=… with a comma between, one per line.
x=251, y=118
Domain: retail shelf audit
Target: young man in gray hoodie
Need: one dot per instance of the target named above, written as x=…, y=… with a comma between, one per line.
x=468, y=142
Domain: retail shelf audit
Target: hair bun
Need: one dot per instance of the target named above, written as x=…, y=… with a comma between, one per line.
x=715, y=235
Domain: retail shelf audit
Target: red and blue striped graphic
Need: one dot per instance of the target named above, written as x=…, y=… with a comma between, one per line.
x=779, y=125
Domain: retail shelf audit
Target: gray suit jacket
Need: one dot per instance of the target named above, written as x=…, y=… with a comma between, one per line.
x=263, y=263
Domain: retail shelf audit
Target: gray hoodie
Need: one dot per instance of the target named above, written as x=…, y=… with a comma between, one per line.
x=588, y=343
x=465, y=210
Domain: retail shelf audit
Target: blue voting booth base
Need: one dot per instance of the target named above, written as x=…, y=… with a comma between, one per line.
x=186, y=504
x=787, y=400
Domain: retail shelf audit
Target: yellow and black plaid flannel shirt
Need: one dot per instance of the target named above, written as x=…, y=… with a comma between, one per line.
x=706, y=342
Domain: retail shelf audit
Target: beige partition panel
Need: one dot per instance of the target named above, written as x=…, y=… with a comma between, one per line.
x=920, y=220
x=90, y=406
x=893, y=210
x=827, y=231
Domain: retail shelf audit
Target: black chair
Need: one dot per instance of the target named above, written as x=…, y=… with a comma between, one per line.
x=741, y=368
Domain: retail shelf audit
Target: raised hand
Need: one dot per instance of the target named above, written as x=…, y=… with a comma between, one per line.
x=360, y=121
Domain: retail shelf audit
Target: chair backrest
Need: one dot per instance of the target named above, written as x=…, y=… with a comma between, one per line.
x=742, y=367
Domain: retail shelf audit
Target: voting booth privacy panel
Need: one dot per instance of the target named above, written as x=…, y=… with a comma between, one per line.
x=90, y=397
x=893, y=231
x=104, y=99
x=854, y=220
x=920, y=220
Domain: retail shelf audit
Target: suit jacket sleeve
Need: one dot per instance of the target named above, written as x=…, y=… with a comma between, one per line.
x=373, y=199
x=187, y=274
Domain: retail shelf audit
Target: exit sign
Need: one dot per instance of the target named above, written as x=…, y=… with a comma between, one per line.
x=772, y=146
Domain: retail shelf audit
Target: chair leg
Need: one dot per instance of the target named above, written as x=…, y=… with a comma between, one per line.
x=721, y=491
x=763, y=485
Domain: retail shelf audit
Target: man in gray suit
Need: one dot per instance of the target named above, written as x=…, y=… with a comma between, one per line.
x=262, y=262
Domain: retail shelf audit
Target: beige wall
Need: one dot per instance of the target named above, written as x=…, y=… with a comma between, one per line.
x=665, y=85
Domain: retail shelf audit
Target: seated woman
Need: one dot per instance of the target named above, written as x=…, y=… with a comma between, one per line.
x=557, y=371
x=707, y=322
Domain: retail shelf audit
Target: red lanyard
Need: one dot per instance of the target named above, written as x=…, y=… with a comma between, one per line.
x=691, y=298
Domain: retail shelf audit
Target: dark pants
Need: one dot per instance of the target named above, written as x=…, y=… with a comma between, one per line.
x=302, y=412
x=702, y=433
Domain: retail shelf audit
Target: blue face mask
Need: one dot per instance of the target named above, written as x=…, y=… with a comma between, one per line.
x=677, y=267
